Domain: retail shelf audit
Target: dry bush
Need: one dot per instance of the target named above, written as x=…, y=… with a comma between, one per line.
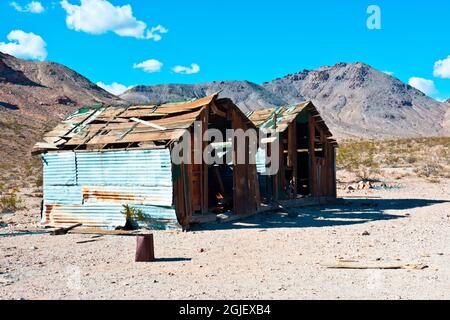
x=10, y=202
x=428, y=157
x=39, y=181
x=429, y=170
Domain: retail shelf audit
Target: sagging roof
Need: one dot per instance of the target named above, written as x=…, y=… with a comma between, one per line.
x=278, y=119
x=152, y=126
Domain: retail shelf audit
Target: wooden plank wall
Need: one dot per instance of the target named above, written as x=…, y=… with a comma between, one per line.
x=322, y=169
x=245, y=187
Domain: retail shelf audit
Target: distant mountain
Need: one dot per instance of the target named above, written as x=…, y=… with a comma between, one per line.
x=358, y=100
x=34, y=96
x=355, y=99
x=248, y=95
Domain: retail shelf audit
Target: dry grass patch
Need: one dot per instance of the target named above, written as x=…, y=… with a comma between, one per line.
x=427, y=157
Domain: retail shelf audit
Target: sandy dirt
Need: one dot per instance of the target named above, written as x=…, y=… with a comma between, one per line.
x=280, y=255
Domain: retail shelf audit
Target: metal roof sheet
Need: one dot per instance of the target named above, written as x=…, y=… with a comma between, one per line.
x=126, y=124
x=278, y=119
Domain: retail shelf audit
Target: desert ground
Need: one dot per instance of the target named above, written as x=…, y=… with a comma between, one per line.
x=275, y=255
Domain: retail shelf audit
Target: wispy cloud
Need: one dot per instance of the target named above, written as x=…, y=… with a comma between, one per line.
x=194, y=68
x=155, y=32
x=389, y=73
x=32, y=7
x=442, y=68
x=100, y=16
x=149, y=66
x=424, y=85
x=25, y=45
x=114, y=88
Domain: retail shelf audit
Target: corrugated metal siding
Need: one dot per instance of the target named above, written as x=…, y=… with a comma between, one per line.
x=261, y=171
x=59, y=169
x=63, y=194
x=261, y=161
x=137, y=167
x=94, y=186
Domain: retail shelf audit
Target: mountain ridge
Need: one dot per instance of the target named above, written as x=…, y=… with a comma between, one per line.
x=34, y=97
x=355, y=99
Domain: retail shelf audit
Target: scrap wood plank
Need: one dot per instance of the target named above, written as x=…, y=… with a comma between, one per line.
x=353, y=265
x=148, y=123
x=104, y=232
x=89, y=240
x=64, y=230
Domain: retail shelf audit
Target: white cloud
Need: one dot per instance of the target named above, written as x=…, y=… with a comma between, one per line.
x=442, y=68
x=389, y=73
x=154, y=32
x=25, y=45
x=100, y=16
x=149, y=66
x=114, y=88
x=194, y=68
x=32, y=7
x=424, y=85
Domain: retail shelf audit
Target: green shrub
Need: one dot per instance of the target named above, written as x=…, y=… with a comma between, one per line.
x=132, y=216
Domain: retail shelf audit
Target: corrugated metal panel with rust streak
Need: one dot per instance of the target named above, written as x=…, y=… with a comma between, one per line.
x=102, y=182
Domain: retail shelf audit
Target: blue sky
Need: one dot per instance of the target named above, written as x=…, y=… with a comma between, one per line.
x=233, y=39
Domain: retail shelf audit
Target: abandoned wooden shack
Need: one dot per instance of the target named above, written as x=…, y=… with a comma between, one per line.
x=306, y=155
x=101, y=158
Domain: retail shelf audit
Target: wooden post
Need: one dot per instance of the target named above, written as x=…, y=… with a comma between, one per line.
x=292, y=154
x=204, y=170
x=312, y=156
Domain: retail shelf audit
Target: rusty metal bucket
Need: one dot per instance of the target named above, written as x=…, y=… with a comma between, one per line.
x=145, y=250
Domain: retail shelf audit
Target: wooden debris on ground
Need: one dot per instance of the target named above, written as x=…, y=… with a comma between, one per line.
x=64, y=230
x=89, y=240
x=95, y=231
x=353, y=264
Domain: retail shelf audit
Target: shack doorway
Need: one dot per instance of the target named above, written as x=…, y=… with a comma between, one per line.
x=222, y=186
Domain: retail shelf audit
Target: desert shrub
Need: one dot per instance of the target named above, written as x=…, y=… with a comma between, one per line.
x=368, y=174
x=357, y=155
x=411, y=159
x=429, y=170
x=39, y=181
x=428, y=157
x=10, y=202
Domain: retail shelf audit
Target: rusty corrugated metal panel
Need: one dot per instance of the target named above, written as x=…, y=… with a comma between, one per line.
x=102, y=182
x=152, y=195
x=107, y=215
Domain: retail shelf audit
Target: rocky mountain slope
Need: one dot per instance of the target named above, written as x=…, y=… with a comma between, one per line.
x=34, y=96
x=248, y=95
x=355, y=99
